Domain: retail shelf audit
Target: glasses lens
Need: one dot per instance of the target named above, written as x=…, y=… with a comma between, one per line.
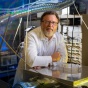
x=50, y=22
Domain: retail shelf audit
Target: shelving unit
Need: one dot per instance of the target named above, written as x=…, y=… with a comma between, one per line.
x=72, y=34
x=74, y=52
x=8, y=65
x=8, y=44
x=83, y=40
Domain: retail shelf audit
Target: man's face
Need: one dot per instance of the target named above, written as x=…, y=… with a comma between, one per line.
x=49, y=25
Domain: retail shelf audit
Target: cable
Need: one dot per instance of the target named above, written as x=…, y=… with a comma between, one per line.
x=80, y=16
x=14, y=51
x=17, y=30
x=26, y=35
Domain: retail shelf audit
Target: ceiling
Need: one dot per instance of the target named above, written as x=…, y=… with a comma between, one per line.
x=4, y=4
x=9, y=4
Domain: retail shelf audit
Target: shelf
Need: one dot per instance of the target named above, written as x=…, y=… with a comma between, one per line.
x=7, y=73
x=8, y=60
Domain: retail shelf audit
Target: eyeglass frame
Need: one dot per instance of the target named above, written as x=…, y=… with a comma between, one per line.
x=48, y=22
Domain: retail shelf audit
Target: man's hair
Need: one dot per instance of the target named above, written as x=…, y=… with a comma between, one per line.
x=49, y=13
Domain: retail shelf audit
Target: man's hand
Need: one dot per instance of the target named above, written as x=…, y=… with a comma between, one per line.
x=36, y=67
x=56, y=56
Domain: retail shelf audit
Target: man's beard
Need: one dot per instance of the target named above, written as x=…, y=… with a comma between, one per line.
x=48, y=34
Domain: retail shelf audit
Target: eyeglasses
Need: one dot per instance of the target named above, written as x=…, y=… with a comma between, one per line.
x=48, y=22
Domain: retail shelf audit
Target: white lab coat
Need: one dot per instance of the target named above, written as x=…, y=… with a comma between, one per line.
x=38, y=51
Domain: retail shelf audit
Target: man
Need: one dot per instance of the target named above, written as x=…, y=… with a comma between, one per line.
x=43, y=46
